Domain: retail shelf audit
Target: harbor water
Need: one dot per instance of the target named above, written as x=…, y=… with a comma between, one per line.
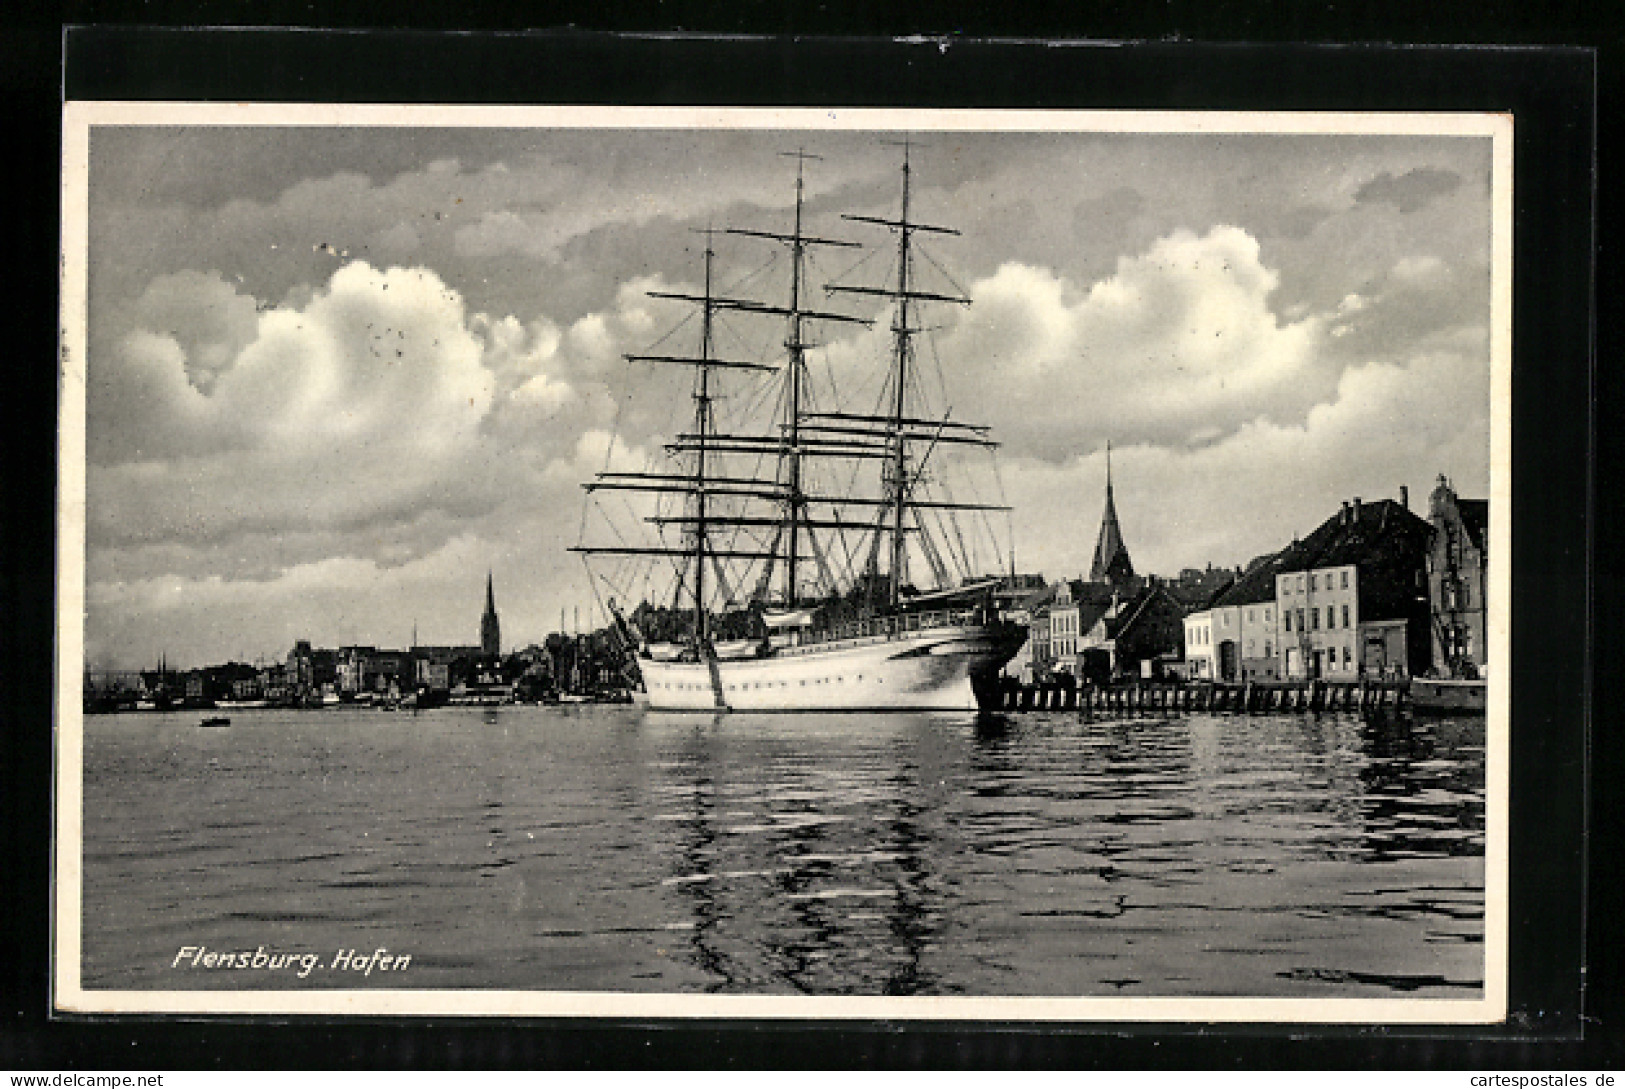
x=607, y=848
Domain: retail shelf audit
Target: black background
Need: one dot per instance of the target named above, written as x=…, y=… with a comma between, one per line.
x=1565, y=980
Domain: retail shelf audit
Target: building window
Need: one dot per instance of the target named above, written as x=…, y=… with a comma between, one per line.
x=1266, y=616
x=1314, y=582
x=1300, y=621
x=1345, y=616
x=1288, y=618
x=1300, y=583
x=1331, y=616
x=1345, y=582
x=1250, y=616
x=1314, y=619
x=1267, y=653
x=1348, y=657
x=1466, y=598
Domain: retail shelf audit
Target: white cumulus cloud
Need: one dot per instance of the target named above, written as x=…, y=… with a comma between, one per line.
x=1178, y=344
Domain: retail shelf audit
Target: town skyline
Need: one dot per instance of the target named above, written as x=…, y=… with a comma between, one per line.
x=1306, y=322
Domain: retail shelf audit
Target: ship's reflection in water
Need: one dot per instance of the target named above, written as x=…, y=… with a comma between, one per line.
x=1043, y=855
x=605, y=849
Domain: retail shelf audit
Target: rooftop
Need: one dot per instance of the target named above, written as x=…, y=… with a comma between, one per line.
x=1255, y=586
x=1358, y=532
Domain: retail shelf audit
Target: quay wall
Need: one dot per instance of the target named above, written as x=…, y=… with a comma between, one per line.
x=1258, y=697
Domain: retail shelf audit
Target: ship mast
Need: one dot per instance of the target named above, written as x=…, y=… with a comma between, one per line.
x=703, y=442
x=795, y=346
x=903, y=345
x=702, y=428
x=899, y=428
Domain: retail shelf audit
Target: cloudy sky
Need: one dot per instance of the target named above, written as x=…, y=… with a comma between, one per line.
x=334, y=375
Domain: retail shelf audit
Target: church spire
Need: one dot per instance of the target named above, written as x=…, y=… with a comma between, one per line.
x=490, y=629
x=1112, y=563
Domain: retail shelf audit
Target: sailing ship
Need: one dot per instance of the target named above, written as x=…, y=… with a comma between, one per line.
x=782, y=506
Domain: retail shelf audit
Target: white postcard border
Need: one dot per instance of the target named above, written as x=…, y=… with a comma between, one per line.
x=68, y=993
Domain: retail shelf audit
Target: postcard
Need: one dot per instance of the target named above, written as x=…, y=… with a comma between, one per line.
x=1022, y=566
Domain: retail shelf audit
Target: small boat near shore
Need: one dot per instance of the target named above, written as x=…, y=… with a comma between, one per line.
x=216, y=720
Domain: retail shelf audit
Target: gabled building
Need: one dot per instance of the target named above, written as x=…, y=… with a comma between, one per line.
x=1234, y=639
x=1076, y=608
x=1351, y=597
x=1039, y=660
x=1458, y=569
x=1133, y=635
x=350, y=667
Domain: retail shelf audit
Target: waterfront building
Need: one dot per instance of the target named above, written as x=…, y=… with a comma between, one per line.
x=350, y=669
x=1201, y=661
x=487, y=682
x=439, y=667
x=324, y=668
x=1350, y=598
x=274, y=684
x=111, y=690
x=387, y=672
x=1236, y=640
x=490, y=628
x=300, y=670
x=435, y=676
x=1132, y=635
x=1458, y=582
x=1040, y=660
x=1077, y=607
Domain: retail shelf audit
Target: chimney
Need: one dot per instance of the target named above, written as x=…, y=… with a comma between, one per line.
x=1405, y=497
x=1343, y=519
x=1356, y=508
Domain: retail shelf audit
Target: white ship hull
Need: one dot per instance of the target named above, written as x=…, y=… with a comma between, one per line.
x=917, y=671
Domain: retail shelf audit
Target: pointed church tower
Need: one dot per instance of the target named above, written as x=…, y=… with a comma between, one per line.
x=490, y=629
x=1111, y=555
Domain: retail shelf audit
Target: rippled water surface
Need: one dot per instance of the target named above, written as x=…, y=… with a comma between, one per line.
x=610, y=849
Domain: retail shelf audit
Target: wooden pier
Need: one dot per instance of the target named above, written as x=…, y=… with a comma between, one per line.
x=1258, y=697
